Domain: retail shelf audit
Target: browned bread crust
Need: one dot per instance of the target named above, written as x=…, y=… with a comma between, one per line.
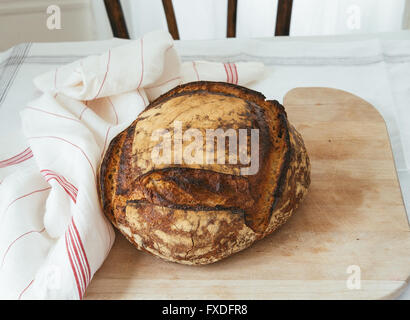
x=201, y=213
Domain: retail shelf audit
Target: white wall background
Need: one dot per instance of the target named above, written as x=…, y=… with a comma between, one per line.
x=25, y=20
x=206, y=19
x=318, y=17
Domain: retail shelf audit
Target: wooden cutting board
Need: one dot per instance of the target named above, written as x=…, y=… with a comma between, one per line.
x=352, y=215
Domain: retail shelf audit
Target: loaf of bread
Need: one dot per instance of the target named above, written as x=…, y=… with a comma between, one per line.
x=193, y=206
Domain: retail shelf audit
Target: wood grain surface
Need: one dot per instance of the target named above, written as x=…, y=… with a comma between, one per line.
x=352, y=215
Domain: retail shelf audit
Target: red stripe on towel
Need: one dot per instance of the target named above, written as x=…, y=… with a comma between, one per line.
x=68, y=187
x=73, y=266
x=142, y=97
x=26, y=195
x=105, y=141
x=163, y=83
x=236, y=73
x=142, y=62
x=82, y=111
x=81, y=267
x=48, y=174
x=227, y=73
x=18, y=158
x=82, y=250
x=113, y=108
x=15, y=240
x=66, y=141
x=105, y=75
x=53, y=114
x=25, y=289
x=231, y=72
x=78, y=258
x=195, y=69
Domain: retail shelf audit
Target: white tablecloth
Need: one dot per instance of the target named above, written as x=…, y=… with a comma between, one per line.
x=374, y=67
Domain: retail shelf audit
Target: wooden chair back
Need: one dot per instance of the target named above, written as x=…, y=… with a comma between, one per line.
x=119, y=27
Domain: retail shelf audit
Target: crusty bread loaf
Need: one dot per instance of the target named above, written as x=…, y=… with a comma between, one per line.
x=199, y=213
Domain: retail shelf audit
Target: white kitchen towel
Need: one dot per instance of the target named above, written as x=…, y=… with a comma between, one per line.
x=53, y=234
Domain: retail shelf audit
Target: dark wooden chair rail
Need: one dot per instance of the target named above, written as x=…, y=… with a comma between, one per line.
x=231, y=19
x=116, y=17
x=119, y=27
x=283, y=16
